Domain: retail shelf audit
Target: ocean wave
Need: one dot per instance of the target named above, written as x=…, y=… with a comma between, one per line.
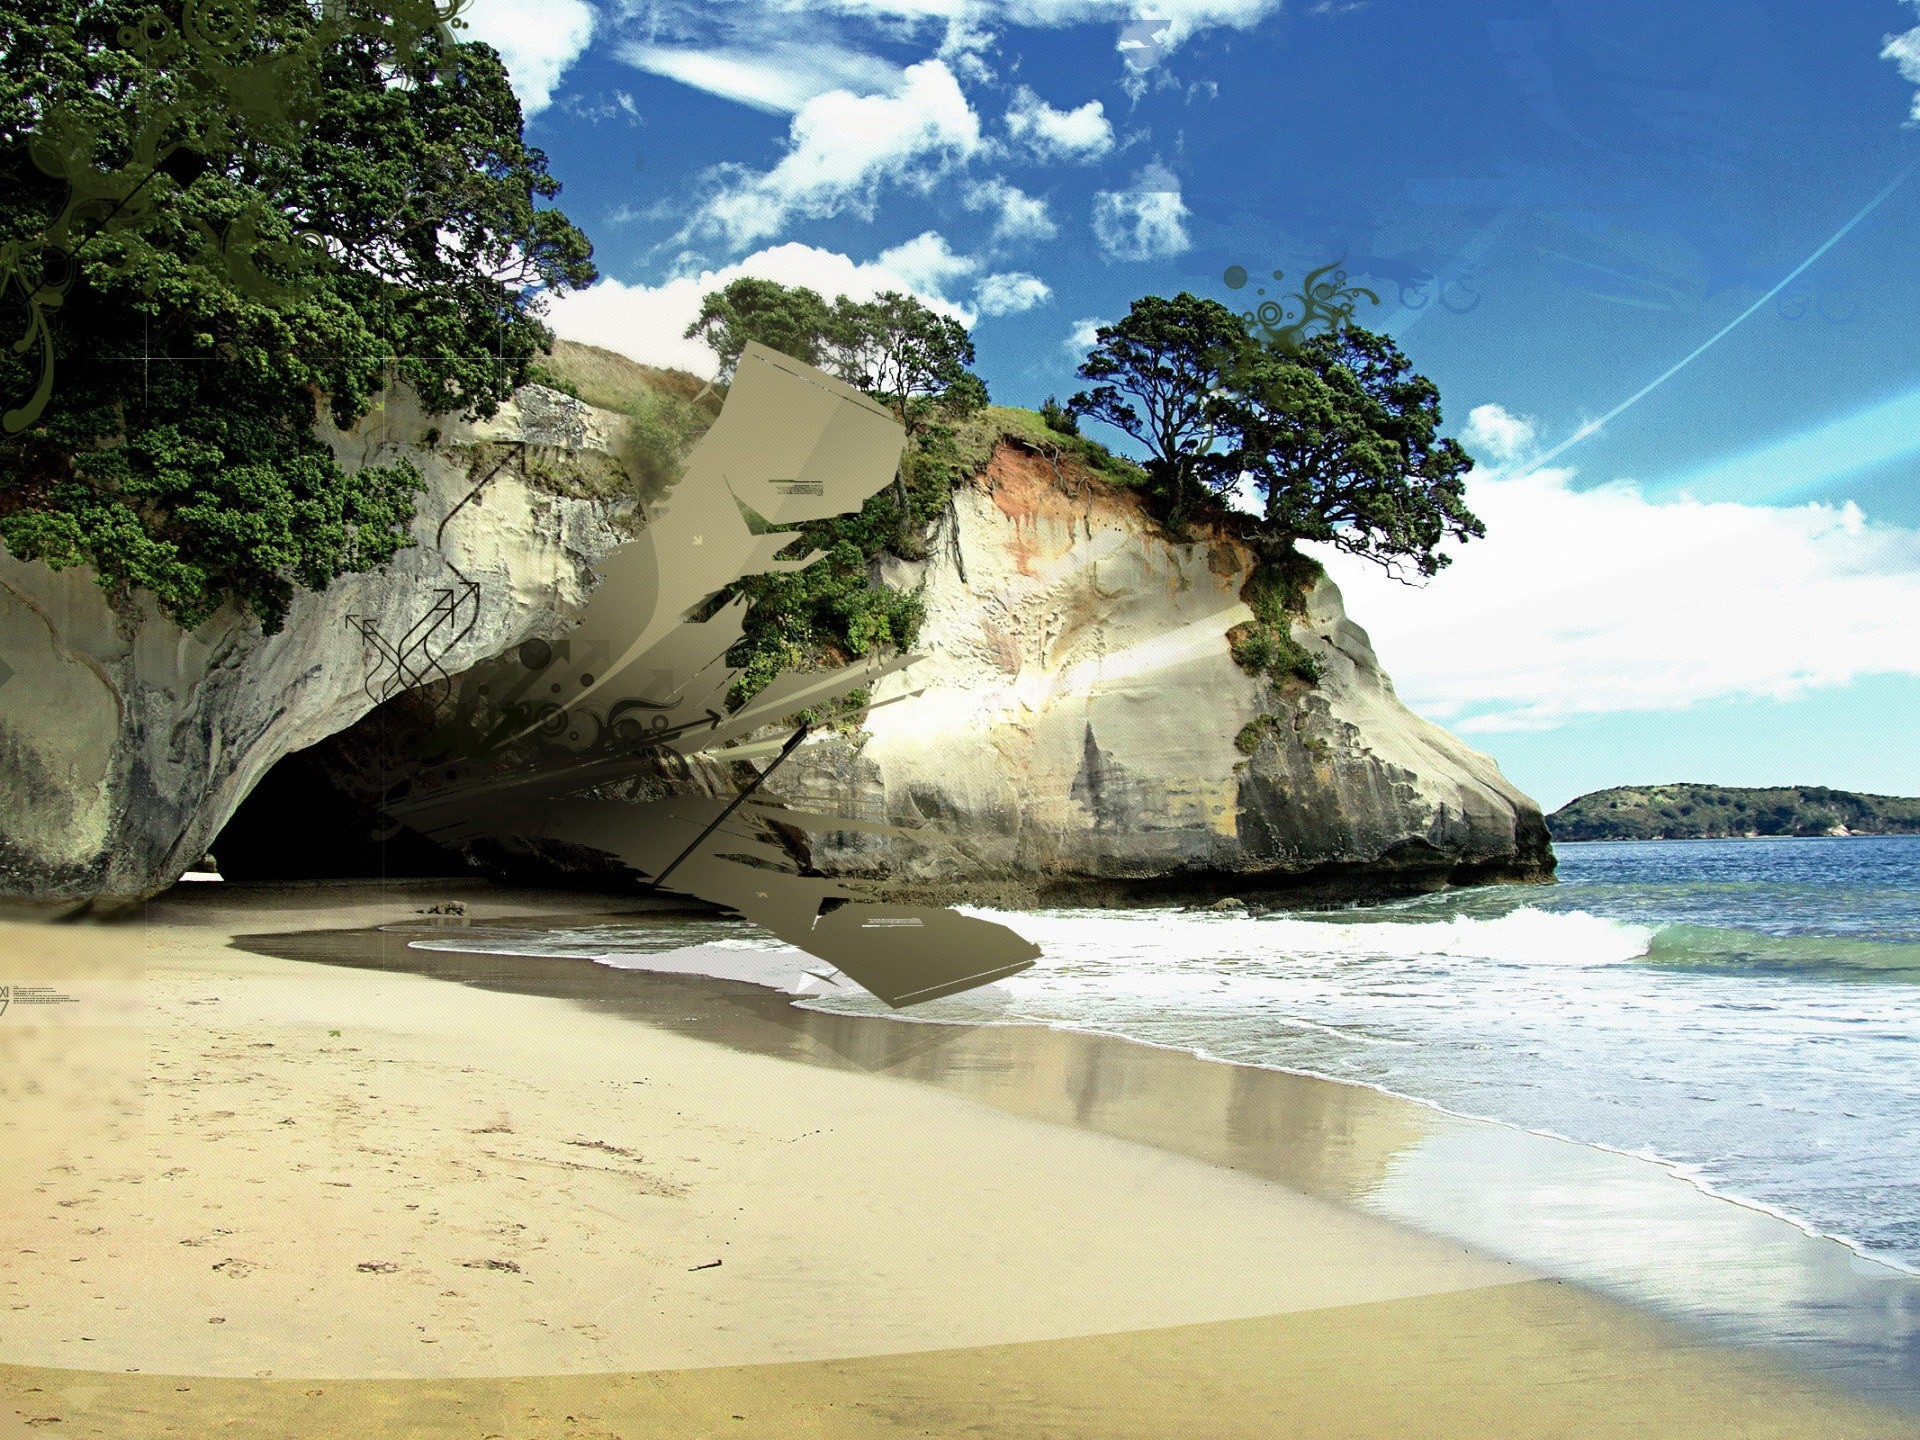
x=1151, y=940
x=1828, y=957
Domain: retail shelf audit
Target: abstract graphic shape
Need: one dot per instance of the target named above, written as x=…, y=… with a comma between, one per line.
x=639, y=678
x=1325, y=302
x=413, y=660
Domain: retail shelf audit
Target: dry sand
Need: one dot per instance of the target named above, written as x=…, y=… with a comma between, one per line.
x=478, y=1214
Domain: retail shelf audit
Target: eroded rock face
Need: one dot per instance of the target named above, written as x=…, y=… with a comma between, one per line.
x=125, y=742
x=1075, y=735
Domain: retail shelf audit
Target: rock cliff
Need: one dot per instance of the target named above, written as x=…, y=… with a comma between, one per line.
x=1082, y=732
x=125, y=742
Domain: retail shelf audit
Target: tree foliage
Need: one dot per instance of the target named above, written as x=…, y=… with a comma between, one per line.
x=1341, y=443
x=792, y=319
x=176, y=452
x=1337, y=438
x=1158, y=374
x=915, y=361
x=904, y=354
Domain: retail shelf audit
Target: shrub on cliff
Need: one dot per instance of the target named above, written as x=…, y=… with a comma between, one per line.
x=211, y=216
x=914, y=361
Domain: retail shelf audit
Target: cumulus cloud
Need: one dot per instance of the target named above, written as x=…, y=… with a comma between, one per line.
x=1083, y=337
x=1010, y=293
x=1492, y=433
x=645, y=322
x=772, y=75
x=1147, y=222
x=842, y=148
x=1080, y=134
x=925, y=264
x=1021, y=216
x=1597, y=601
x=537, y=39
x=1904, y=51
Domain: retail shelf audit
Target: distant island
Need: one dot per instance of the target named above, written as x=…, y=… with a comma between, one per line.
x=1719, y=812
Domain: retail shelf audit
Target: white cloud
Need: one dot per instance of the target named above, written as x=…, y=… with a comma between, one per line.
x=925, y=263
x=777, y=76
x=1492, y=433
x=538, y=40
x=842, y=147
x=1147, y=222
x=645, y=322
x=1083, y=338
x=1010, y=293
x=962, y=49
x=1081, y=134
x=714, y=44
x=1904, y=51
x=1603, y=601
x=1022, y=216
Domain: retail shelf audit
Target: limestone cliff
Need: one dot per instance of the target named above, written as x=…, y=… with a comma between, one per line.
x=1081, y=731
x=1080, y=727
x=125, y=742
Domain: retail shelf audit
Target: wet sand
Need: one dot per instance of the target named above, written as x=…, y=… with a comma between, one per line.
x=481, y=1211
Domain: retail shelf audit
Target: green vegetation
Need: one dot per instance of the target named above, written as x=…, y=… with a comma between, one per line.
x=1160, y=374
x=1276, y=592
x=1254, y=733
x=176, y=451
x=1705, y=812
x=1337, y=437
x=913, y=360
x=1058, y=418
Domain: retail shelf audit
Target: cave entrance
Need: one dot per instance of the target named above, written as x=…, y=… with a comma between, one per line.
x=301, y=823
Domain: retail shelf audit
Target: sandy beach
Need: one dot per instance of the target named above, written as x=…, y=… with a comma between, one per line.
x=251, y=1194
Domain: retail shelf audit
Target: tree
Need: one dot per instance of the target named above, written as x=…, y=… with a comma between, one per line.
x=791, y=319
x=899, y=351
x=191, y=333
x=1341, y=442
x=1160, y=373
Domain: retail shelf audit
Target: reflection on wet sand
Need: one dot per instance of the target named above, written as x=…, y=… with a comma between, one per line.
x=1619, y=1224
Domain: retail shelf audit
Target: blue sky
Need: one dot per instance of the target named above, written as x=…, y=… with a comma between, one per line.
x=1557, y=202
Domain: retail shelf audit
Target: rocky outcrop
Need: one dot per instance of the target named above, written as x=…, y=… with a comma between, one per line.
x=125, y=742
x=1081, y=732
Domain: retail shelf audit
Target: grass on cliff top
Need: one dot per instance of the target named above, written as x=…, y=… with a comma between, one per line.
x=976, y=436
x=613, y=382
x=669, y=409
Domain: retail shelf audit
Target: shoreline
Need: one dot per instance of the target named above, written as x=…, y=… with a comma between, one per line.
x=1080, y=1263
x=1841, y=1292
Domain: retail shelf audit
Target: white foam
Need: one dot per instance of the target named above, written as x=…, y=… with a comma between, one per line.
x=1158, y=938
x=777, y=967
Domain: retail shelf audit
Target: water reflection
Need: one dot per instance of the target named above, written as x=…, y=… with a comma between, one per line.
x=1620, y=1225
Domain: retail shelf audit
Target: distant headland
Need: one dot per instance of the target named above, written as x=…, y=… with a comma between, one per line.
x=1718, y=812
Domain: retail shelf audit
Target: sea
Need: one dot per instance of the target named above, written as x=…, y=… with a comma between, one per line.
x=1745, y=1012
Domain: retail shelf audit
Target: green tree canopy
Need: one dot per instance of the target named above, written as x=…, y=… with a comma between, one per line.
x=1158, y=377
x=192, y=333
x=789, y=318
x=1341, y=442
x=899, y=351
x=1337, y=437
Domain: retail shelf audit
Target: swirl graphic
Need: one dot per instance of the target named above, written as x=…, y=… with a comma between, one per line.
x=1325, y=302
